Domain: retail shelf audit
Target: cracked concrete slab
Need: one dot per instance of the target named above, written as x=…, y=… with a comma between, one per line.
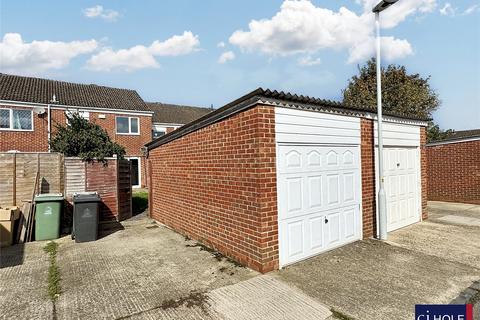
x=265, y=297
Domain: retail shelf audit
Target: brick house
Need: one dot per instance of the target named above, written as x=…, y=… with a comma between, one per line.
x=273, y=178
x=29, y=113
x=454, y=168
x=168, y=117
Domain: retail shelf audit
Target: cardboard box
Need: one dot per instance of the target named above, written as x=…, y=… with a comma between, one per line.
x=6, y=233
x=9, y=213
x=7, y=222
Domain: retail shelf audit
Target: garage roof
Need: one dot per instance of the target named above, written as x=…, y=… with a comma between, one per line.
x=458, y=136
x=275, y=98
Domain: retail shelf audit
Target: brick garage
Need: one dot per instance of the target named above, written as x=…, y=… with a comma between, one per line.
x=221, y=179
x=454, y=170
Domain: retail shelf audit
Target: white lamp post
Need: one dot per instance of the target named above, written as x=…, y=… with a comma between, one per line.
x=382, y=198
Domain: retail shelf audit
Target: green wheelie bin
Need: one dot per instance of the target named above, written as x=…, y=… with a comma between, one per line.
x=48, y=208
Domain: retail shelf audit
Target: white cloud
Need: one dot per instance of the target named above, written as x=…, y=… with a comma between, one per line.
x=131, y=59
x=17, y=56
x=308, y=61
x=392, y=49
x=471, y=9
x=176, y=45
x=226, y=56
x=447, y=10
x=302, y=28
x=99, y=12
x=221, y=44
x=140, y=57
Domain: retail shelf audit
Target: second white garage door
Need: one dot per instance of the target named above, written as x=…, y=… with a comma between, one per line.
x=319, y=191
x=401, y=186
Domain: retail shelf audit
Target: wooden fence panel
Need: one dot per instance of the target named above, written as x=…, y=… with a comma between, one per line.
x=124, y=190
x=66, y=175
x=74, y=176
x=7, y=172
x=51, y=173
x=26, y=172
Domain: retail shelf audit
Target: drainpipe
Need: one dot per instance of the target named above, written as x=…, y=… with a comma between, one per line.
x=48, y=126
x=49, y=119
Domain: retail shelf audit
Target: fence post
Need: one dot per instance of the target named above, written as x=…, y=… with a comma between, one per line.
x=14, y=181
x=150, y=189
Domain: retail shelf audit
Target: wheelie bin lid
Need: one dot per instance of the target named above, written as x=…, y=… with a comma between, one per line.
x=86, y=197
x=47, y=197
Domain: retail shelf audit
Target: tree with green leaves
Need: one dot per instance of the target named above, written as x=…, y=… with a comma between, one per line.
x=84, y=139
x=402, y=93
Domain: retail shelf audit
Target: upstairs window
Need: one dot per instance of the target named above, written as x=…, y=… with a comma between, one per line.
x=16, y=119
x=158, y=133
x=127, y=125
x=84, y=114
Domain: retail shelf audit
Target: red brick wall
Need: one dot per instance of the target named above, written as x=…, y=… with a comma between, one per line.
x=218, y=185
x=423, y=170
x=368, y=179
x=454, y=172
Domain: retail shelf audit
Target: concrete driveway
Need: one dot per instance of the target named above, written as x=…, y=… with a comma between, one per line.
x=434, y=261
x=144, y=271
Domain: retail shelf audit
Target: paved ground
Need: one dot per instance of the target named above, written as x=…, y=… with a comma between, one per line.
x=429, y=262
x=149, y=272
x=144, y=272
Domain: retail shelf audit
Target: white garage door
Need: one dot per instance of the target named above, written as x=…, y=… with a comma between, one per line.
x=402, y=186
x=319, y=191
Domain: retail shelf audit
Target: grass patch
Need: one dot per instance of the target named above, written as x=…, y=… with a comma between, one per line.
x=53, y=271
x=139, y=202
x=339, y=315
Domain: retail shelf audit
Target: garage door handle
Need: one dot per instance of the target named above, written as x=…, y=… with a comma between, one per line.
x=326, y=220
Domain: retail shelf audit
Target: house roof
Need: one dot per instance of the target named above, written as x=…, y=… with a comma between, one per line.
x=171, y=113
x=460, y=135
x=272, y=97
x=37, y=90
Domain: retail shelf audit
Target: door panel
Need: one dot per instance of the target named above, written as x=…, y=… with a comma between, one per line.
x=401, y=185
x=319, y=195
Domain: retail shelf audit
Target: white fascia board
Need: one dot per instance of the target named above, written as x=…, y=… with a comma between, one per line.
x=168, y=124
x=65, y=107
x=439, y=143
x=344, y=112
x=392, y=119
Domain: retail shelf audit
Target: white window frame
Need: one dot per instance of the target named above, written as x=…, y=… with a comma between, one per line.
x=11, y=120
x=129, y=126
x=84, y=114
x=139, y=171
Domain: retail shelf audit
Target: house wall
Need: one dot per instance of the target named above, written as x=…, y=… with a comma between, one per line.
x=454, y=172
x=37, y=140
x=218, y=185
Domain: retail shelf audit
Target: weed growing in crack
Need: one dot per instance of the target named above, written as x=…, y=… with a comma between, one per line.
x=53, y=271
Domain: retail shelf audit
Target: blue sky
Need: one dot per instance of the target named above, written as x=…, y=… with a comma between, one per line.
x=170, y=50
